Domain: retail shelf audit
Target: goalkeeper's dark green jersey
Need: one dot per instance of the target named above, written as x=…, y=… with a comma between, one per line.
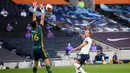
x=37, y=38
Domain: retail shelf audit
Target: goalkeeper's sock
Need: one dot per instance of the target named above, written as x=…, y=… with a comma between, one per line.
x=48, y=68
x=79, y=68
x=34, y=69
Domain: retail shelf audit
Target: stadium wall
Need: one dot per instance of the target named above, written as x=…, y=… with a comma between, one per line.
x=63, y=62
x=106, y=47
x=13, y=65
x=109, y=50
x=29, y=64
x=122, y=54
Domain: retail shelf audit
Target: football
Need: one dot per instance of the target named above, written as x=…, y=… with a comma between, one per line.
x=49, y=7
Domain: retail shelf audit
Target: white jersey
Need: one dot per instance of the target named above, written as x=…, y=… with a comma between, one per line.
x=86, y=48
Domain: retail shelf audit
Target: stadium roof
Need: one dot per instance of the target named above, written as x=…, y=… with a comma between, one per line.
x=112, y=1
x=64, y=2
x=40, y=1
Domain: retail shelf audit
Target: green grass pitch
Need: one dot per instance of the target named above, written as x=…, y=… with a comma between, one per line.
x=115, y=68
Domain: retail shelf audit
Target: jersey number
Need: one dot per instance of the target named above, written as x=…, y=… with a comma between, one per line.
x=35, y=37
x=79, y=57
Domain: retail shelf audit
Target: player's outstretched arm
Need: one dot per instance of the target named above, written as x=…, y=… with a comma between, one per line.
x=34, y=10
x=42, y=14
x=80, y=46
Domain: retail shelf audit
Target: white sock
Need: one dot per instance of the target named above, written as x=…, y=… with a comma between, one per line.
x=79, y=68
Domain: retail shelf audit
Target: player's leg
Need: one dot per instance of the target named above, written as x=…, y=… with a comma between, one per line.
x=78, y=67
x=48, y=65
x=78, y=64
x=35, y=66
x=120, y=62
x=47, y=61
x=36, y=58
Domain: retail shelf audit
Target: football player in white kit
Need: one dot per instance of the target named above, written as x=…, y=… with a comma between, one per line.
x=83, y=55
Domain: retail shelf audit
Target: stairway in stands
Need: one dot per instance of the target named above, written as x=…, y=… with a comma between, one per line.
x=7, y=56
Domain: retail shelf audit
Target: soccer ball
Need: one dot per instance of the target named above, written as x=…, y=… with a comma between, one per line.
x=49, y=7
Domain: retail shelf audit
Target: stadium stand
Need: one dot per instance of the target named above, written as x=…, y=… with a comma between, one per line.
x=73, y=16
x=12, y=8
x=7, y=56
x=23, y=46
x=68, y=18
x=119, y=13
